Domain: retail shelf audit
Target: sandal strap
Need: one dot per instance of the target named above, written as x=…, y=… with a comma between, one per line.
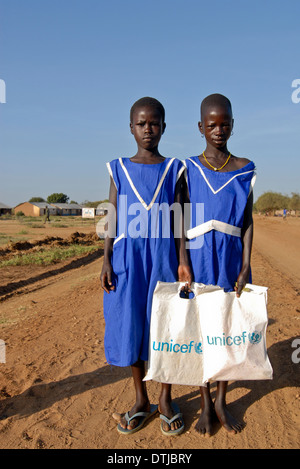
x=169, y=421
x=138, y=414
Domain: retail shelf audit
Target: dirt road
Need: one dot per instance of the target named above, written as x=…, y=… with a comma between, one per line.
x=57, y=391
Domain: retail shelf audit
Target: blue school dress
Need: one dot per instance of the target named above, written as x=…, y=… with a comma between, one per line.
x=143, y=253
x=218, y=202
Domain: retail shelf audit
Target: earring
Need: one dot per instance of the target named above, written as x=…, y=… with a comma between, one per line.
x=202, y=135
x=232, y=132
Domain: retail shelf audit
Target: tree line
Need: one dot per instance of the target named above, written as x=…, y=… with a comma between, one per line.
x=272, y=201
x=267, y=202
x=60, y=198
x=55, y=198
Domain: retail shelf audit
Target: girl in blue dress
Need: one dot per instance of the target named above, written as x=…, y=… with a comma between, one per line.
x=141, y=252
x=221, y=229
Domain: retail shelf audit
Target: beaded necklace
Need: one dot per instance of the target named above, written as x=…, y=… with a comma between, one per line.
x=217, y=169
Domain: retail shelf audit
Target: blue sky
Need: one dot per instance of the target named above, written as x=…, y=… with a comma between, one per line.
x=73, y=68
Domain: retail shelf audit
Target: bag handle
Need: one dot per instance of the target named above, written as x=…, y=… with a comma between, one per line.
x=196, y=289
x=186, y=294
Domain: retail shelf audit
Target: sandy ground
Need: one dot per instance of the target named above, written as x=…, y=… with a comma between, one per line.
x=56, y=390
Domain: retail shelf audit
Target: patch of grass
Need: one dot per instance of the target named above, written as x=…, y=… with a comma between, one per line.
x=4, y=239
x=37, y=225
x=49, y=256
x=3, y=320
x=25, y=220
x=68, y=221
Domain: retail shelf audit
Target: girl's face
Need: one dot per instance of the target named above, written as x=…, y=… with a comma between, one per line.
x=147, y=126
x=216, y=126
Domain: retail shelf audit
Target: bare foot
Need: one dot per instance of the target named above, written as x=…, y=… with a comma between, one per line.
x=226, y=419
x=205, y=422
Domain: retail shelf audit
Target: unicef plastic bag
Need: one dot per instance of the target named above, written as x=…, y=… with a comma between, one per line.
x=234, y=335
x=212, y=336
x=175, y=346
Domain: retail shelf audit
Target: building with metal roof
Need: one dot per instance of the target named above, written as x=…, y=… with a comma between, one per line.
x=4, y=209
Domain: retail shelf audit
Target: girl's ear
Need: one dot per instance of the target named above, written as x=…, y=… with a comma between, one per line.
x=131, y=127
x=164, y=127
x=200, y=127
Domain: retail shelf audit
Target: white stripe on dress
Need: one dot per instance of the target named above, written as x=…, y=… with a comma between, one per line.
x=209, y=185
x=147, y=207
x=213, y=225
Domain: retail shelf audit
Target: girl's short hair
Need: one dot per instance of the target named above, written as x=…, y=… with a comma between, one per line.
x=147, y=101
x=212, y=100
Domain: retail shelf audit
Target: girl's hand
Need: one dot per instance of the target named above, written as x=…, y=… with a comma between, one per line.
x=185, y=275
x=106, y=278
x=241, y=282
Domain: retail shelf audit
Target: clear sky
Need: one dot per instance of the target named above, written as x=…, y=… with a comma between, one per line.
x=73, y=68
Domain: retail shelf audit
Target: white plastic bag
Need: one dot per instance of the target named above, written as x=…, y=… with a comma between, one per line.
x=234, y=334
x=213, y=336
x=175, y=346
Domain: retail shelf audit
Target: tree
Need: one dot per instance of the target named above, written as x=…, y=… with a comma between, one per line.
x=36, y=199
x=271, y=201
x=294, y=202
x=57, y=198
x=87, y=203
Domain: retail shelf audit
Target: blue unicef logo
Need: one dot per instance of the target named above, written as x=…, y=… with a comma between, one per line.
x=198, y=347
x=255, y=337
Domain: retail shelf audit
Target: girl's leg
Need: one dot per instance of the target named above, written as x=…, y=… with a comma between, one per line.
x=142, y=403
x=225, y=418
x=165, y=407
x=205, y=422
